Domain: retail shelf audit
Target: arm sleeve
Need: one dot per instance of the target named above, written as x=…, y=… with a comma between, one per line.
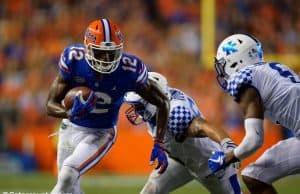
x=253, y=139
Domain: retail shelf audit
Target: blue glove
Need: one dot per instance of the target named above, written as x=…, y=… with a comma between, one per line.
x=158, y=152
x=81, y=109
x=217, y=161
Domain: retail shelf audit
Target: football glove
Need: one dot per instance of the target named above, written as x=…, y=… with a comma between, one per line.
x=217, y=161
x=227, y=146
x=158, y=152
x=81, y=109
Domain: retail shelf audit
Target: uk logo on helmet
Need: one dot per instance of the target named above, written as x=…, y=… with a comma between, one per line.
x=229, y=48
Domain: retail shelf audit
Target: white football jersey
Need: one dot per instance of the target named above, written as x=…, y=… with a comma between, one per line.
x=182, y=111
x=279, y=89
x=193, y=152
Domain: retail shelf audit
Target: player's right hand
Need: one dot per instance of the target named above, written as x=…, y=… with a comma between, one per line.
x=81, y=109
x=158, y=152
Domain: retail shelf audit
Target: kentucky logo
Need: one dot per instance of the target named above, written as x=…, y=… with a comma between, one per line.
x=229, y=48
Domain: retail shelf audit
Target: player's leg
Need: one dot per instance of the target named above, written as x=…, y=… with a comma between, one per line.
x=224, y=182
x=175, y=176
x=90, y=149
x=77, y=188
x=280, y=160
x=258, y=187
x=64, y=149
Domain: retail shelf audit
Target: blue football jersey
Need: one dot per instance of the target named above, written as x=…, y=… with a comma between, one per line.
x=130, y=75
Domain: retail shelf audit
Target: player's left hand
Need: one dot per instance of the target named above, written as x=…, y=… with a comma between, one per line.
x=217, y=161
x=228, y=146
x=80, y=109
x=158, y=152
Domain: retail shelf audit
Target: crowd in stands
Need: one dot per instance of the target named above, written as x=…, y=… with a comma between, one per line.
x=163, y=33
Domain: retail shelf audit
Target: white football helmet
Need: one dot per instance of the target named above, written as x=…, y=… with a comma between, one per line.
x=234, y=53
x=161, y=81
x=140, y=110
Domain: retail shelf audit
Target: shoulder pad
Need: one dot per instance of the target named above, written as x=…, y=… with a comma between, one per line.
x=71, y=53
x=179, y=120
x=136, y=69
x=238, y=81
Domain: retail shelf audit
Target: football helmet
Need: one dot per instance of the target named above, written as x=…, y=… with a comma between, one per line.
x=161, y=81
x=234, y=53
x=103, y=42
x=140, y=110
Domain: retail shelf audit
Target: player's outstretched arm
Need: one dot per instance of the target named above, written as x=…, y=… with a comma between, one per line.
x=251, y=105
x=151, y=93
x=200, y=127
x=252, y=108
x=155, y=96
x=58, y=89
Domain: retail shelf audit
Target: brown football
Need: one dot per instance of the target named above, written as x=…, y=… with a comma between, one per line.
x=68, y=100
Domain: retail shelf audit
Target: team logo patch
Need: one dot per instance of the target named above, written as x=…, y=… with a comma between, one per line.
x=230, y=48
x=79, y=79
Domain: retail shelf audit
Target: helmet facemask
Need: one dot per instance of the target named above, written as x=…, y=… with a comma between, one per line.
x=104, y=58
x=140, y=112
x=222, y=76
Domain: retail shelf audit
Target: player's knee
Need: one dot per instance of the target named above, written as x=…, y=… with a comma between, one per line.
x=152, y=188
x=250, y=182
x=256, y=186
x=67, y=176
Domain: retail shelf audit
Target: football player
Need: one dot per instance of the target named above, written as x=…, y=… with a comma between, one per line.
x=88, y=129
x=263, y=90
x=187, y=153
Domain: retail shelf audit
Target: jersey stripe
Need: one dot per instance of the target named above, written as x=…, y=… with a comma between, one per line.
x=143, y=75
x=94, y=159
x=62, y=66
x=106, y=30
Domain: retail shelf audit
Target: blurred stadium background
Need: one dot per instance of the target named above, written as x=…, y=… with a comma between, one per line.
x=175, y=37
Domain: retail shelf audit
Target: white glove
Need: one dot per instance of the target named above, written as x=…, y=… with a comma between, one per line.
x=227, y=146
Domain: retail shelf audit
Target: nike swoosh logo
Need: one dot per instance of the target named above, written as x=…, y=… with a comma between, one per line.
x=218, y=160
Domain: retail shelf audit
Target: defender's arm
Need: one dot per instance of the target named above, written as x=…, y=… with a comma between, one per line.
x=251, y=105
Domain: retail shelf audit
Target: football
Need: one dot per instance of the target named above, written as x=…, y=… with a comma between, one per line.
x=68, y=100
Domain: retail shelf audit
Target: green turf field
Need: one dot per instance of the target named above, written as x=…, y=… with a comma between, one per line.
x=108, y=184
